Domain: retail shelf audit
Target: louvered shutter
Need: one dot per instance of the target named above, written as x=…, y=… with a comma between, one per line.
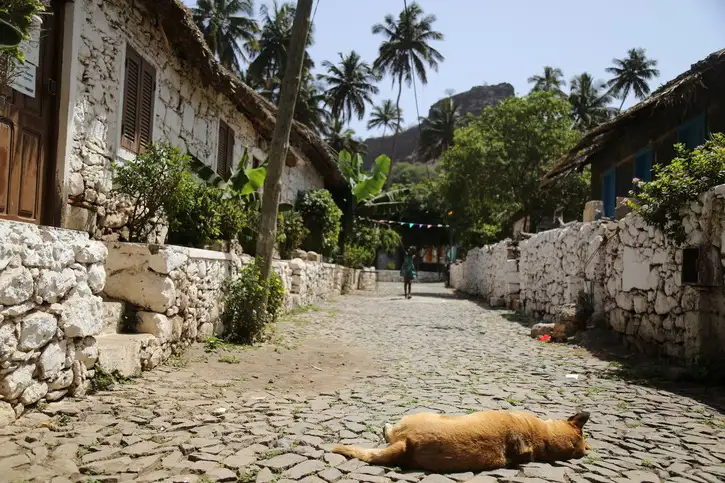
x=146, y=107
x=129, y=122
x=226, y=150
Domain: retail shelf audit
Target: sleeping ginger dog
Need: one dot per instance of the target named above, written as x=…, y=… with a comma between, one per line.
x=484, y=440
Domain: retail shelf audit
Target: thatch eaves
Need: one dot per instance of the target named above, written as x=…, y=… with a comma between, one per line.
x=676, y=94
x=177, y=25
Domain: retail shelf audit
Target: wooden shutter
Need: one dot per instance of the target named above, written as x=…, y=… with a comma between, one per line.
x=146, y=107
x=138, y=103
x=129, y=123
x=226, y=150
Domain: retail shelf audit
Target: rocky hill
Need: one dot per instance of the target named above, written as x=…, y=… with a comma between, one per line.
x=472, y=101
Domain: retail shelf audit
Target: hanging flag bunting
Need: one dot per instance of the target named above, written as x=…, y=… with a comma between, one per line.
x=410, y=224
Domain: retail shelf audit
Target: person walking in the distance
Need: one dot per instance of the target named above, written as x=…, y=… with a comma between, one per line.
x=407, y=271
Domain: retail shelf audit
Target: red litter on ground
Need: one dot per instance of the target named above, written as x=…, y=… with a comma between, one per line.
x=545, y=338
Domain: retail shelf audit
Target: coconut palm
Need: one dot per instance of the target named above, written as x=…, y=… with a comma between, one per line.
x=552, y=80
x=386, y=116
x=632, y=74
x=436, y=132
x=310, y=108
x=271, y=48
x=351, y=85
x=590, y=100
x=343, y=139
x=229, y=29
x=406, y=50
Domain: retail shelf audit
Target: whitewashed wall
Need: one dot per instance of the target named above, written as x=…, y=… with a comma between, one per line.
x=186, y=113
x=633, y=273
x=50, y=314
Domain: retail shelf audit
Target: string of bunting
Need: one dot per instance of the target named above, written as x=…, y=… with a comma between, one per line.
x=405, y=223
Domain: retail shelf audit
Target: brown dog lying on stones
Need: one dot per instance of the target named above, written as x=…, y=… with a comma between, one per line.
x=484, y=440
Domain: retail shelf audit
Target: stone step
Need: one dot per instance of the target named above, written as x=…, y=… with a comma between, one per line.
x=121, y=352
x=113, y=313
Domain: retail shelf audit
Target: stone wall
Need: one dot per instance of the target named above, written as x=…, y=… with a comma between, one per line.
x=630, y=273
x=49, y=313
x=186, y=113
x=176, y=293
x=423, y=277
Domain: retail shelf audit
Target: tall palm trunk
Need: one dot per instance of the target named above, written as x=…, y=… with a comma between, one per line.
x=395, y=134
x=624, y=98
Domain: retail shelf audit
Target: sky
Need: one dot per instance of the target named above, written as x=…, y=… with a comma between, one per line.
x=493, y=41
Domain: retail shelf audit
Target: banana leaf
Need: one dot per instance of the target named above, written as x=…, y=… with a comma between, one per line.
x=10, y=36
x=373, y=184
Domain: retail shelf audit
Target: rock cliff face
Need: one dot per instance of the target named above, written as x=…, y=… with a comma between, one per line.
x=472, y=102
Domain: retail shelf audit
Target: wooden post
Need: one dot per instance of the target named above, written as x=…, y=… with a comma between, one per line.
x=280, y=138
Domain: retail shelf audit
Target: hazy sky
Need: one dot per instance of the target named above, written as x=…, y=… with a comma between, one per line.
x=492, y=41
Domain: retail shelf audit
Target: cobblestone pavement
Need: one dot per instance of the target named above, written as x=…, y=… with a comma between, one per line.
x=434, y=352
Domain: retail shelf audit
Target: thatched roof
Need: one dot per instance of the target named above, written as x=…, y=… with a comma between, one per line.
x=677, y=93
x=177, y=25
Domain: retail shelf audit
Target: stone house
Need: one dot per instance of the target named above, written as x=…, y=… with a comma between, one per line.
x=113, y=76
x=684, y=110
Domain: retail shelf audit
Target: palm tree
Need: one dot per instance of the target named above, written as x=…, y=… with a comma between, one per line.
x=590, y=100
x=406, y=50
x=310, y=109
x=351, y=85
x=386, y=116
x=632, y=74
x=552, y=80
x=271, y=47
x=436, y=132
x=342, y=139
x=225, y=24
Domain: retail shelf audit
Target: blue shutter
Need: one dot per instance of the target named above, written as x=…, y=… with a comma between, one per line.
x=643, y=165
x=693, y=133
x=609, y=198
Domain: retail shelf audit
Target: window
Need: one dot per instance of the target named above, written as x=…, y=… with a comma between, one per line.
x=643, y=165
x=138, y=103
x=693, y=132
x=609, y=197
x=226, y=150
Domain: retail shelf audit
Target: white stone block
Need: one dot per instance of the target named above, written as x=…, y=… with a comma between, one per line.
x=82, y=315
x=38, y=328
x=145, y=289
x=155, y=324
x=636, y=270
x=15, y=383
x=16, y=286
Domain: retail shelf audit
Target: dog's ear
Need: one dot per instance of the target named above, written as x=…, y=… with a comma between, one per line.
x=579, y=419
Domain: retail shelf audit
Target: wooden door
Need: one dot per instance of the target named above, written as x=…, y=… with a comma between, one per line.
x=26, y=135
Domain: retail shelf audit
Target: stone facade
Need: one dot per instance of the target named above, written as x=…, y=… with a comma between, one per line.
x=50, y=313
x=186, y=114
x=630, y=272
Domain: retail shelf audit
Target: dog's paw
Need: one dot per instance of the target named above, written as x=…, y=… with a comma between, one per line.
x=386, y=432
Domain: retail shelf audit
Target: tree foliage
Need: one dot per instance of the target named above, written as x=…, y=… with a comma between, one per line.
x=229, y=29
x=387, y=116
x=589, y=100
x=495, y=167
x=436, y=131
x=552, y=80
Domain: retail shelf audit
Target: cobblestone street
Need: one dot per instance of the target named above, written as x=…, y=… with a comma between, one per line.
x=335, y=374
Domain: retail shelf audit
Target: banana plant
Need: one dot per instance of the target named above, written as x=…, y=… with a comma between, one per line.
x=242, y=182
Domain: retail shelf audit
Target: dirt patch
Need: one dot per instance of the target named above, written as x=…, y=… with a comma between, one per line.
x=316, y=364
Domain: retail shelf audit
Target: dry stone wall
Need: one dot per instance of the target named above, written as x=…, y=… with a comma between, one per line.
x=177, y=293
x=186, y=114
x=394, y=276
x=630, y=273
x=50, y=313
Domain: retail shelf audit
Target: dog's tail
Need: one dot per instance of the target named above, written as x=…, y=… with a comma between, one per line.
x=390, y=455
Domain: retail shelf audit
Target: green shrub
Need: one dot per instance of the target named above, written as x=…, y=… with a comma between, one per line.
x=676, y=185
x=322, y=218
x=195, y=218
x=243, y=322
x=294, y=233
x=151, y=184
x=357, y=256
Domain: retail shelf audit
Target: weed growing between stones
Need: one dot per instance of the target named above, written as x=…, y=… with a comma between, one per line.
x=103, y=381
x=229, y=359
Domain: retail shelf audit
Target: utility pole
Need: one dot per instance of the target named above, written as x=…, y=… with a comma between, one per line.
x=280, y=138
